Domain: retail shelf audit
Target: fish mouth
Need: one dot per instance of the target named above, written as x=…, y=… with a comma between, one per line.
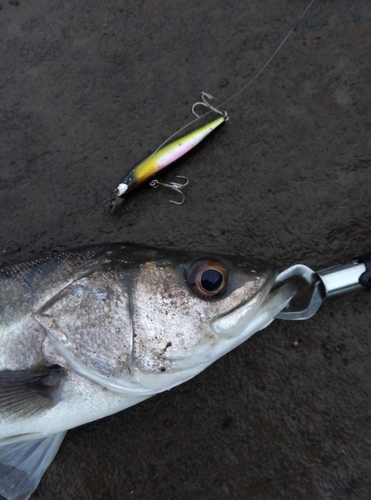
x=249, y=318
x=238, y=325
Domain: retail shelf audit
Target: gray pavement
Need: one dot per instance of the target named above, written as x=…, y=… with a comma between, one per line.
x=88, y=89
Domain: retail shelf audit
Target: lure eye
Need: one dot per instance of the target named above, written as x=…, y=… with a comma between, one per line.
x=208, y=279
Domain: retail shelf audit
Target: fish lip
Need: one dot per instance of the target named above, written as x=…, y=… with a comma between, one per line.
x=242, y=310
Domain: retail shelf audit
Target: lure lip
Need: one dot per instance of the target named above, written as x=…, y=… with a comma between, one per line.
x=116, y=204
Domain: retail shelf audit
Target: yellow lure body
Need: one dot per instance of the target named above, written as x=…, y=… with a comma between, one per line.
x=166, y=155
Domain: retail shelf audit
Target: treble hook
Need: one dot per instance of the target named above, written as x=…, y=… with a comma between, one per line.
x=175, y=186
x=108, y=203
x=208, y=105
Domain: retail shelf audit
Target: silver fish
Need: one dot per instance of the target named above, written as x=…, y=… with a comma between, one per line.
x=89, y=332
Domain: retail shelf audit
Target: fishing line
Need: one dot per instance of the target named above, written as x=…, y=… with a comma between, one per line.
x=244, y=87
x=168, y=152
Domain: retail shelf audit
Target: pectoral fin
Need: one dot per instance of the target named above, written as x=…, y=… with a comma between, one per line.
x=23, y=464
x=26, y=392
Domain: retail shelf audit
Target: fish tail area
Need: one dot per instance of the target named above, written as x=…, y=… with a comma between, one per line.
x=23, y=463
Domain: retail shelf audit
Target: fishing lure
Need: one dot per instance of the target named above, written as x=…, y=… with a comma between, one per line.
x=168, y=153
x=164, y=156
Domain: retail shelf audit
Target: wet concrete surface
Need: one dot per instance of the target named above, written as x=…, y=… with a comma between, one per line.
x=87, y=90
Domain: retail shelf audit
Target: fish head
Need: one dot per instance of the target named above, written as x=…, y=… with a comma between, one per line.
x=190, y=309
x=146, y=319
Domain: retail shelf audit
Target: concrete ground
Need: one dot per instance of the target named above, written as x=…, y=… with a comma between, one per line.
x=87, y=90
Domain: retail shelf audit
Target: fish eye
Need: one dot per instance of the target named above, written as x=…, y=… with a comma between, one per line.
x=208, y=279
